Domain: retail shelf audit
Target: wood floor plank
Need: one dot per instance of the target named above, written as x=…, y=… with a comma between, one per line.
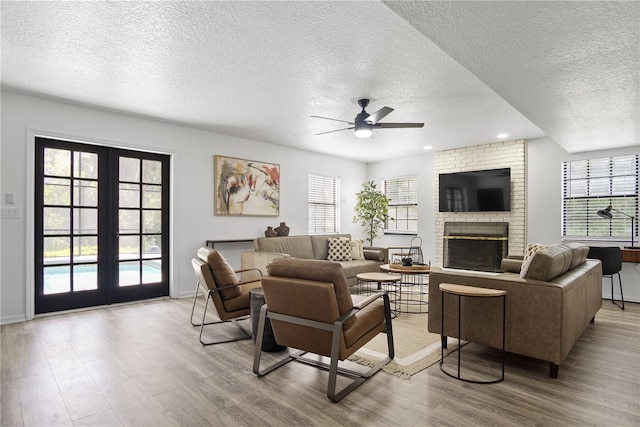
x=142, y=364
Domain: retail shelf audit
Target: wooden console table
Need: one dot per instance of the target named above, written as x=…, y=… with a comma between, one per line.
x=212, y=243
x=630, y=255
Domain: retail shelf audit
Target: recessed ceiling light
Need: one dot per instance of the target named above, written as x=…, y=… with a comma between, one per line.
x=428, y=147
x=502, y=135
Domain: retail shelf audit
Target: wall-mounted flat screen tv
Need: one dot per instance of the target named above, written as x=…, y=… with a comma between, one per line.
x=476, y=191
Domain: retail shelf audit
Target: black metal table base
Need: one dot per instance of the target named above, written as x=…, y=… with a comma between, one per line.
x=458, y=350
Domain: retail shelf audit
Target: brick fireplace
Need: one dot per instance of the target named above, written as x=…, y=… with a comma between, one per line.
x=475, y=245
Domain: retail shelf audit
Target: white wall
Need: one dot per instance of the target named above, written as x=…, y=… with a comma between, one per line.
x=544, y=204
x=192, y=216
x=422, y=167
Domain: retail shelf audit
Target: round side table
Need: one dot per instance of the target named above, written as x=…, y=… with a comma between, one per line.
x=413, y=287
x=384, y=282
x=462, y=291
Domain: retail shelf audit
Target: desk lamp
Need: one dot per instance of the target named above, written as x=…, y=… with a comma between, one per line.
x=606, y=213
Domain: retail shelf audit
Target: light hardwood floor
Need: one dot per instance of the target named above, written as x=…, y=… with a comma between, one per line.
x=142, y=364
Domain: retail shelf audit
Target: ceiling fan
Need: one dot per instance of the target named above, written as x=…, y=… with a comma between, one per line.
x=364, y=123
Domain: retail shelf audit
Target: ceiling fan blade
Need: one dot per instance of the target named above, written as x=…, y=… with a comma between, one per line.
x=329, y=118
x=398, y=125
x=337, y=130
x=378, y=115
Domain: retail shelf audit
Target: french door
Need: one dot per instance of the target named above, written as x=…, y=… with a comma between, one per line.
x=101, y=225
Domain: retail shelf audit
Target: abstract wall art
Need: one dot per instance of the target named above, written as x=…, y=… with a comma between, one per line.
x=246, y=187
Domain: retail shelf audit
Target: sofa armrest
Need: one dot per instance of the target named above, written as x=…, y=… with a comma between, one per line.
x=511, y=264
x=376, y=254
x=256, y=260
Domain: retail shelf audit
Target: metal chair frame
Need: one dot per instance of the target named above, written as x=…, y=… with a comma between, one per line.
x=209, y=296
x=621, y=305
x=333, y=367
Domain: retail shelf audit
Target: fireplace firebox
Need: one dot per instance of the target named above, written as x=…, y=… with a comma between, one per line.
x=475, y=245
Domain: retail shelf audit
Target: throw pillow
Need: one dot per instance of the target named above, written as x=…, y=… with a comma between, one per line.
x=357, y=249
x=532, y=248
x=223, y=274
x=339, y=249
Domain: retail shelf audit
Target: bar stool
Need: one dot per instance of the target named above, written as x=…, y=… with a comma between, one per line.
x=471, y=292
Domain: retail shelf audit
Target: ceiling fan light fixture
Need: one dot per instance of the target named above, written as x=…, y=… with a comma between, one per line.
x=363, y=130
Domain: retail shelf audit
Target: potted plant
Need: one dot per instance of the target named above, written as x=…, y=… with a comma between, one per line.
x=371, y=210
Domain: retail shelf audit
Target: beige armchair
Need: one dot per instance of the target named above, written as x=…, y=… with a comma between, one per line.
x=230, y=297
x=311, y=310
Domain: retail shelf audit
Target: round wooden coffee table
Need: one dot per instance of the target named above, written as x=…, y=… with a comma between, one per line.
x=414, y=286
x=382, y=282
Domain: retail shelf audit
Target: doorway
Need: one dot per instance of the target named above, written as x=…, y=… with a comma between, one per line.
x=101, y=225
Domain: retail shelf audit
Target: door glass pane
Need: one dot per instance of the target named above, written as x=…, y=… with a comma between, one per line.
x=85, y=277
x=56, y=250
x=129, y=169
x=152, y=271
x=85, y=165
x=151, y=172
x=129, y=273
x=85, y=221
x=129, y=196
x=57, y=162
x=152, y=196
x=151, y=221
x=85, y=193
x=129, y=247
x=129, y=221
x=56, y=280
x=151, y=246
x=57, y=220
x=85, y=249
x=57, y=191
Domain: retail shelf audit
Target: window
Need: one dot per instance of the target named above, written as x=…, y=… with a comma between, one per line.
x=592, y=185
x=323, y=204
x=403, y=204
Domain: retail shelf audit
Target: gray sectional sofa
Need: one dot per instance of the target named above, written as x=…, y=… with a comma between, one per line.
x=266, y=249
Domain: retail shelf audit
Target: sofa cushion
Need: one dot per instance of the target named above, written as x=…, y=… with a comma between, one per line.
x=579, y=253
x=339, y=249
x=354, y=267
x=296, y=246
x=549, y=263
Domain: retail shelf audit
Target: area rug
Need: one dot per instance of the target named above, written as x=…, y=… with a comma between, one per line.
x=415, y=348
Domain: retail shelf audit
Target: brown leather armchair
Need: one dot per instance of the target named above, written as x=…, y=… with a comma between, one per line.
x=220, y=284
x=310, y=309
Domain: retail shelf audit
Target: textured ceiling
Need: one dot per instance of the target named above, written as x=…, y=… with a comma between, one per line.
x=259, y=70
x=572, y=68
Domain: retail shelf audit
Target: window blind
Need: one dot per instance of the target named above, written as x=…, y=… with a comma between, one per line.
x=403, y=204
x=323, y=204
x=592, y=185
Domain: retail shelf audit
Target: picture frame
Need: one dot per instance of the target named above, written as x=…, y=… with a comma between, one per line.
x=246, y=187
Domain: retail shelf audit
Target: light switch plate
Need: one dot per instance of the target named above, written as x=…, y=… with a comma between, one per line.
x=10, y=213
